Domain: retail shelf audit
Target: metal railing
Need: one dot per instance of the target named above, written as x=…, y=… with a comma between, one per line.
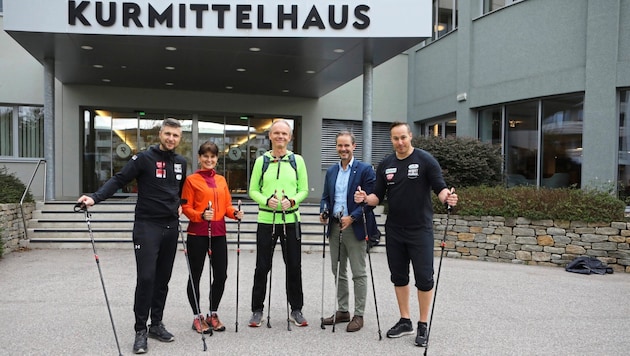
x=28, y=187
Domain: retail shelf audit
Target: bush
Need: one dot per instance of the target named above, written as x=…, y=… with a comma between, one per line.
x=465, y=162
x=537, y=203
x=11, y=188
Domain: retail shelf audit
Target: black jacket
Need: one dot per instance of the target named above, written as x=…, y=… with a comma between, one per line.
x=160, y=176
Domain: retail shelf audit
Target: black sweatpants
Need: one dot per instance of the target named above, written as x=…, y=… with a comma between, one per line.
x=155, y=245
x=292, y=255
x=197, y=247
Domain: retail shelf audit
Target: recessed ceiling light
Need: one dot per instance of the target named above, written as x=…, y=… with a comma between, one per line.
x=169, y=68
x=254, y=49
x=169, y=84
x=338, y=50
x=97, y=66
x=123, y=67
x=310, y=72
x=87, y=48
x=240, y=69
x=105, y=80
x=229, y=87
x=170, y=48
x=285, y=90
x=286, y=71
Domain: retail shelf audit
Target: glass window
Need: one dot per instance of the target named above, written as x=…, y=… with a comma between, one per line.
x=522, y=143
x=6, y=131
x=491, y=5
x=490, y=127
x=562, y=141
x=624, y=146
x=22, y=134
x=445, y=126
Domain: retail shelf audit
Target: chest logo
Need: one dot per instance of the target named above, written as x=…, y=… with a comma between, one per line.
x=412, y=171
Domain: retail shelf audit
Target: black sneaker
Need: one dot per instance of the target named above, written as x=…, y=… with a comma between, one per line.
x=421, y=336
x=402, y=327
x=158, y=331
x=298, y=318
x=140, y=344
x=256, y=319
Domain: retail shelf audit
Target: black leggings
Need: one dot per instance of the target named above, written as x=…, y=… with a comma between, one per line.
x=197, y=247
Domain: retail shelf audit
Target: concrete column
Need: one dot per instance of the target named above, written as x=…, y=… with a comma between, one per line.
x=599, y=157
x=368, y=101
x=49, y=126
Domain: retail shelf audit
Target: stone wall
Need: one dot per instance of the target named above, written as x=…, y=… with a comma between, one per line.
x=533, y=242
x=11, y=228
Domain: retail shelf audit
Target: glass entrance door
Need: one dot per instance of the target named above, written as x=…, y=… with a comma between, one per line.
x=112, y=138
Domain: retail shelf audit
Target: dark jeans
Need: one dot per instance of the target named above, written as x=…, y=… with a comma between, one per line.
x=292, y=255
x=155, y=245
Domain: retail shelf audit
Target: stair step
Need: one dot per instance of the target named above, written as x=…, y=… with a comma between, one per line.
x=56, y=224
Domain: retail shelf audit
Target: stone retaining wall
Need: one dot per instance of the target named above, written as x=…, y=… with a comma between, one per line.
x=533, y=242
x=11, y=228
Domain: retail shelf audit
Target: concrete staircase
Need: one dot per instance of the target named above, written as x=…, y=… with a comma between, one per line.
x=56, y=225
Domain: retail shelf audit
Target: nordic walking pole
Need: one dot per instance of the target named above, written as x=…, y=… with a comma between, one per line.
x=81, y=207
x=192, y=285
x=437, y=280
x=286, y=251
x=210, y=261
x=367, y=241
x=273, y=233
x=238, y=255
x=324, y=217
x=339, y=216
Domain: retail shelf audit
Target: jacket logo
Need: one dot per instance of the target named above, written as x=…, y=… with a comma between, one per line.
x=160, y=169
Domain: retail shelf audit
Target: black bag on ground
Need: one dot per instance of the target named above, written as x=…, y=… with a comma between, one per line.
x=588, y=265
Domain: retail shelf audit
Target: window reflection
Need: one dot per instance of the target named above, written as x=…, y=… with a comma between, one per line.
x=624, y=146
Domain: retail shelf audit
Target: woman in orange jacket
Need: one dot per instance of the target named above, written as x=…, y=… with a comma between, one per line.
x=207, y=201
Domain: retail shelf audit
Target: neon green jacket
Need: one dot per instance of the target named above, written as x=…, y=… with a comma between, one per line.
x=279, y=178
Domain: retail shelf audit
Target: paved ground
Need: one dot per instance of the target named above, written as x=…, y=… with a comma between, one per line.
x=51, y=303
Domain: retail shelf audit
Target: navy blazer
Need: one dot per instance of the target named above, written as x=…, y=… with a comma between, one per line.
x=361, y=174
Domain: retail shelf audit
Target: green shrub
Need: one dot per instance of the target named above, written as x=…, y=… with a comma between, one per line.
x=588, y=205
x=11, y=188
x=465, y=162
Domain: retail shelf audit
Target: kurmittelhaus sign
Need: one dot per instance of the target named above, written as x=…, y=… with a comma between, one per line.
x=358, y=19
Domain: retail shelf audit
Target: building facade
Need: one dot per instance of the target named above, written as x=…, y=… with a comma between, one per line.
x=547, y=80
x=98, y=124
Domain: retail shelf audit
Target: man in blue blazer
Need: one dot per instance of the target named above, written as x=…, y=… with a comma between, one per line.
x=348, y=245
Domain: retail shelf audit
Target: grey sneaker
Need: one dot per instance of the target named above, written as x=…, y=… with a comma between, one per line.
x=421, y=336
x=158, y=331
x=298, y=318
x=140, y=343
x=402, y=327
x=256, y=319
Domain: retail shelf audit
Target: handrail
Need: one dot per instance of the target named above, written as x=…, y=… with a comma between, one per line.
x=28, y=186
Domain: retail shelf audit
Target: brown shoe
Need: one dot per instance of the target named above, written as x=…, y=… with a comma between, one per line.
x=341, y=317
x=214, y=322
x=200, y=325
x=356, y=324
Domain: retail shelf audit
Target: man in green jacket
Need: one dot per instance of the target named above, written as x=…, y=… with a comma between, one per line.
x=278, y=183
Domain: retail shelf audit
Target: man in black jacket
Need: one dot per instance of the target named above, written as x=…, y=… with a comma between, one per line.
x=160, y=174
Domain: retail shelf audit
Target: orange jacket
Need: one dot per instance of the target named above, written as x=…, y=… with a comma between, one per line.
x=196, y=194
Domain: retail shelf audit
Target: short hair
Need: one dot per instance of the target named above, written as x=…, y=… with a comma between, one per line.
x=170, y=122
x=283, y=121
x=208, y=146
x=399, y=123
x=345, y=133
